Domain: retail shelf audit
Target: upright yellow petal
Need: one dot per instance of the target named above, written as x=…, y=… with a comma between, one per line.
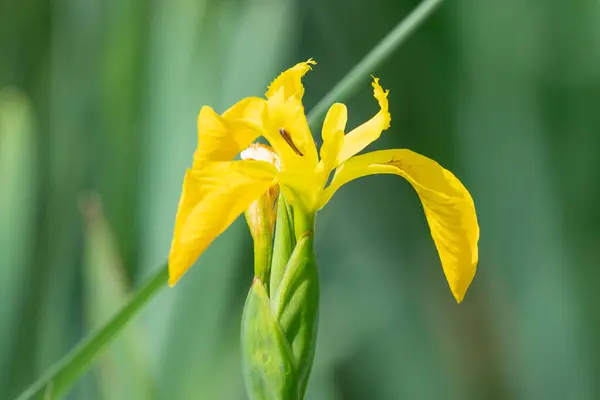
x=333, y=137
x=286, y=127
x=291, y=81
x=448, y=207
x=367, y=133
x=211, y=199
x=288, y=132
x=220, y=138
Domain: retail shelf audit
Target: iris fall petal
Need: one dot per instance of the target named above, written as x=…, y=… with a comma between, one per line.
x=448, y=206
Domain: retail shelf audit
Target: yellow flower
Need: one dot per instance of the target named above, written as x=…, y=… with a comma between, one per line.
x=217, y=189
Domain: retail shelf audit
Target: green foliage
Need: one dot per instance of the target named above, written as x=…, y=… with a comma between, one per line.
x=123, y=370
x=18, y=202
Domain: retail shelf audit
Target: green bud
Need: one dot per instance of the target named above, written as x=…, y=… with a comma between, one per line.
x=267, y=359
x=279, y=325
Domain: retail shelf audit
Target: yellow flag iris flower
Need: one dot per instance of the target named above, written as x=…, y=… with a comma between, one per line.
x=217, y=189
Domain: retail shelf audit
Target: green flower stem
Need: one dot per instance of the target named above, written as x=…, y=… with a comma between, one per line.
x=348, y=85
x=64, y=373
x=59, y=378
x=303, y=222
x=284, y=242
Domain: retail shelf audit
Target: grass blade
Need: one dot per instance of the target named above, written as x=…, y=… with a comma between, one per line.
x=123, y=371
x=17, y=211
x=344, y=88
x=60, y=377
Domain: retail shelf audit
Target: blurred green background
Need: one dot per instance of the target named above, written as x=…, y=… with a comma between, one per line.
x=98, y=105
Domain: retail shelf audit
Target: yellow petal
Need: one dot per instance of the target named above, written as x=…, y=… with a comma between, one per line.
x=291, y=81
x=211, y=199
x=286, y=127
x=250, y=109
x=333, y=136
x=288, y=132
x=448, y=207
x=335, y=120
x=220, y=138
x=367, y=133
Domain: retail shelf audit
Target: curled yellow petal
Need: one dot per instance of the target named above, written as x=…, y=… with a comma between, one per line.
x=448, y=207
x=221, y=138
x=291, y=81
x=211, y=199
x=367, y=133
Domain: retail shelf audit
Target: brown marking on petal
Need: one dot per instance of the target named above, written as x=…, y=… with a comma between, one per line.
x=395, y=162
x=288, y=138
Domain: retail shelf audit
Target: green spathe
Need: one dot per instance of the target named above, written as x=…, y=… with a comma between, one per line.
x=279, y=326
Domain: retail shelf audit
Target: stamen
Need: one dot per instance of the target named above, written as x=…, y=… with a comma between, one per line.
x=288, y=138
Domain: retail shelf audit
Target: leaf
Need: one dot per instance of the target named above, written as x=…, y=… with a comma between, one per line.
x=122, y=371
x=17, y=213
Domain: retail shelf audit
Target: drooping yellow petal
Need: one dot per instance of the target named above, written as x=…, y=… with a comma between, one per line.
x=448, y=207
x=221, y=138
x=211, y=199
x=367, y=133
x=291, y=81
x=333, y=136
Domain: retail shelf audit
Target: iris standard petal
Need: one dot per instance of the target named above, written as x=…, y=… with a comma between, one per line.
x=333, y=136
x=367, y=133
x=448, y=206
x=211, y=199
